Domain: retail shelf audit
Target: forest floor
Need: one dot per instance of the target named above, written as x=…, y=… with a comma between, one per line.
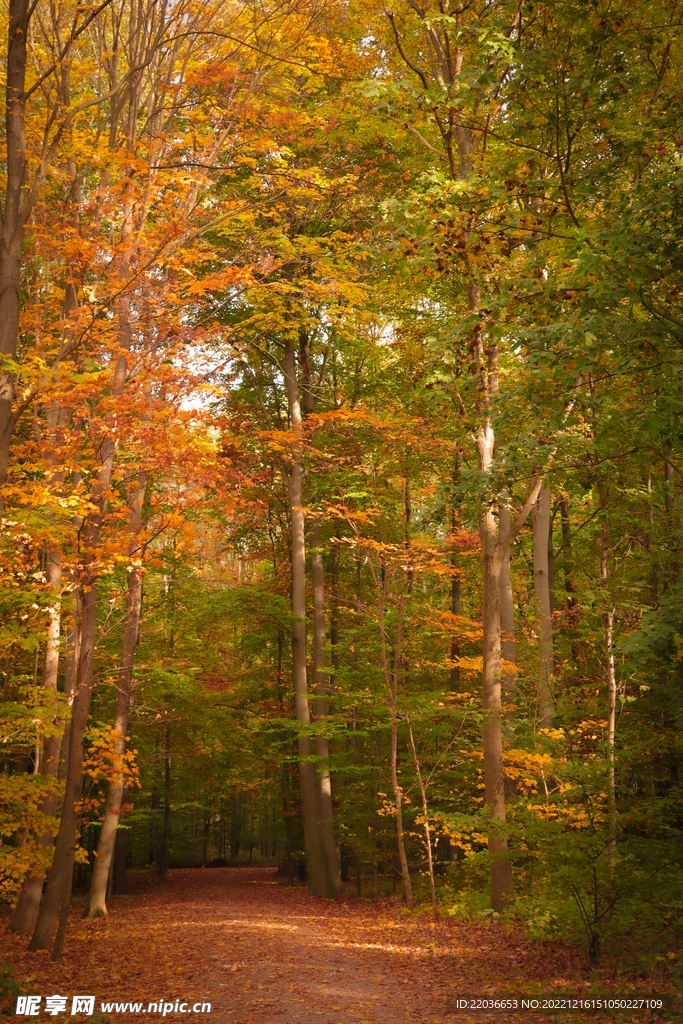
x=262, y=952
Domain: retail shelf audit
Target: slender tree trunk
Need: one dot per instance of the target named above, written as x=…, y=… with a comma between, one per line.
x=669, y=505
x=571, y=603
x=569, y=586
x=456, y=599
x=334, y=615
x=60, y=875
x=508, y=645
x=391, y=684
x=650, y=545
x=206, y=834
x=494, y=778
x=320, y=686
x=165, y=855
x=611, y=723
x=541, y=521
x=551, y=573
x=319, y=880
x=321, y=708
x=611, y=682
x=235, y=825
x=398, y=803
x=26, y=911
x=507, y=607
x=51, y=670
x=71, y=662
x=107, y=842
x=425, y=816
x=284, y=789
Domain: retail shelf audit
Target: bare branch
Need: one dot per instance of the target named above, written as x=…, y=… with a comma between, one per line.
x=413, y=67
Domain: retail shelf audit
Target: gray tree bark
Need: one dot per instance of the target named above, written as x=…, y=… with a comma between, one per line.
x=319, y=880
x=321, y=686
x=507, y=607
x=321, y=707
x=494, y=545
x=390, y=673
x=456, y=597
x=611, y=680
x=97, y=904
x=494, y=779
x=541, y=523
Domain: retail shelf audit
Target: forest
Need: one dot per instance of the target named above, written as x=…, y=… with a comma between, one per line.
x=341, y=444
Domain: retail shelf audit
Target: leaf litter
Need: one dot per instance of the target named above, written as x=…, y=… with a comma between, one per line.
x=262, y=952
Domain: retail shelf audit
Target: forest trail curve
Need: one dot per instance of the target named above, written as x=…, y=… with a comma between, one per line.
x=259, y=952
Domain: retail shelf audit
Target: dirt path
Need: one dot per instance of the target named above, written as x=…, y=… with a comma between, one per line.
x=261, y=952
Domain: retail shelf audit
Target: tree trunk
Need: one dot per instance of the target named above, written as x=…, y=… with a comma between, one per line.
x=494, y=779
x=97, y=906
x=650, y=545
x=507, y=607
x=611, y=725
x=319, y=880
x=235, y=826
x=71, y=662
x=493, y=553
x=551, y=574
x=165, y=855
x=669, y=505
x=120, y=863
x=398, y=804
x=456, y=599
x=334, y=615
x=321, y=708
x=321, y=689
x=26, y=911
x=541, y=522
x=611, y=682
x=14, y=214
x=569, y=587
x=391, y=685
x=60, y=875
x=284, y=790
x=425, y=816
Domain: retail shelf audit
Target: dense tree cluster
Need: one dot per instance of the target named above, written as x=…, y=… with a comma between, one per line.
x=340, y=452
